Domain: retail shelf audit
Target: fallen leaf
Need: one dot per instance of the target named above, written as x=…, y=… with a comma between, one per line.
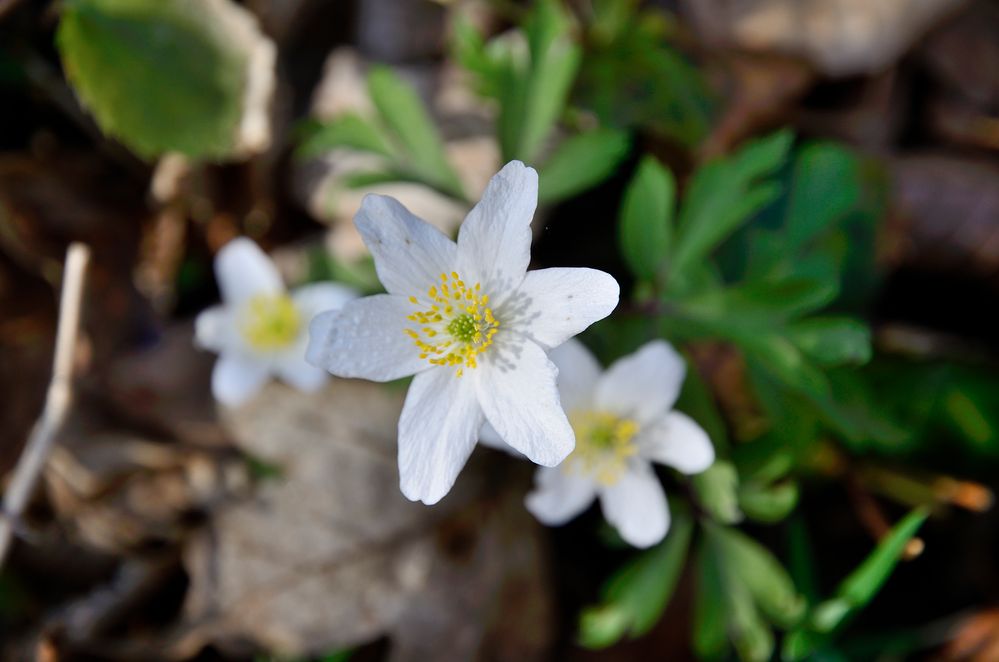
x=328, y=554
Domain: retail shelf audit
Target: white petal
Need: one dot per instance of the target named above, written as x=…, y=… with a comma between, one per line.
x=558, y=495
x=294, y=371
x=490, y=438
x=636, y=506
x=244, y=271
x=494, y=242
x=214, y=329
x=410, y=254
x=365, y=339
x=438, y=429
x=677, y=440
x=643, y=385
x=317, y=298
x=237, y=378
x=578, y=372
x=516, y=386
x=552, y=305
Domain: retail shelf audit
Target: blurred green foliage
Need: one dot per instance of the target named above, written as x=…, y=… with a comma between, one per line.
x=156, y=74
x=631, y=76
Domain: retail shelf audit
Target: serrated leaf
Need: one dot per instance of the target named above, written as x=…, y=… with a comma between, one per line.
x=634, y=598
x=420, y=146
x=724, y=194
x=347, y=130
x=581, y=162
x=753, y=565
x=164, y=75
x=645, y=228
x=833, y=340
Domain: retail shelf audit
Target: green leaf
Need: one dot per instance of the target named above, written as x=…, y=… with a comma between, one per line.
x=779, y=356
x=757, y=306
x=753, y=639
x=717, y=491
x=635, y=597
x=826, y=186
x=403, y=113
x=632, y=76
x=726, y=193
x=863, y=584
x=160, y=75
x=710, y=637
x=533, y=93
x=768, y=503
x=646, y=224
x=754, y=566
x=581, y=162
x=833, y=340
x=469, y=50
x=347, y=130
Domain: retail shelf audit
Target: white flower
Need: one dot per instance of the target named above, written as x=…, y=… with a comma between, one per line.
x=260, y=329
x=624, y=421
x=471, y=323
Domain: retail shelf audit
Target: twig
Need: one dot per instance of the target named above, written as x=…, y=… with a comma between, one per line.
x=57, y=400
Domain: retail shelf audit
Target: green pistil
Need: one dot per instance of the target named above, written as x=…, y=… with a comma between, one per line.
x=463, y=328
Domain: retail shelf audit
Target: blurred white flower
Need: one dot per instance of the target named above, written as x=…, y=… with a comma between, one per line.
x=471, y=323
x=624, y=421
x=260, y=330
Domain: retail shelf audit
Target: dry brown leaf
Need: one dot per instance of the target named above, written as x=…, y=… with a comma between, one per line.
x=330, y=554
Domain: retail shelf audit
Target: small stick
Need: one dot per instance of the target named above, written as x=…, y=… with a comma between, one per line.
x=57, y=400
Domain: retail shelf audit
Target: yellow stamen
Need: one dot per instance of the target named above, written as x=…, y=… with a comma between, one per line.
x=460, y=317
x=604, y=442
x=270, y=321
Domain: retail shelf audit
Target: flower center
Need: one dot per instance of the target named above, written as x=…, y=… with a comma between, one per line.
x=604, y=442
x=457, y=326
x=270, y=321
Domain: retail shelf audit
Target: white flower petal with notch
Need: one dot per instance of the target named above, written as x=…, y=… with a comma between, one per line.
x=552, y=305
x=409, y=253
x=438, y=429
x=494, y=241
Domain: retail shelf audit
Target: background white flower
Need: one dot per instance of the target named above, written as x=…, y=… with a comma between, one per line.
x=473, y=325
x=624, y=421
x=260, y=330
